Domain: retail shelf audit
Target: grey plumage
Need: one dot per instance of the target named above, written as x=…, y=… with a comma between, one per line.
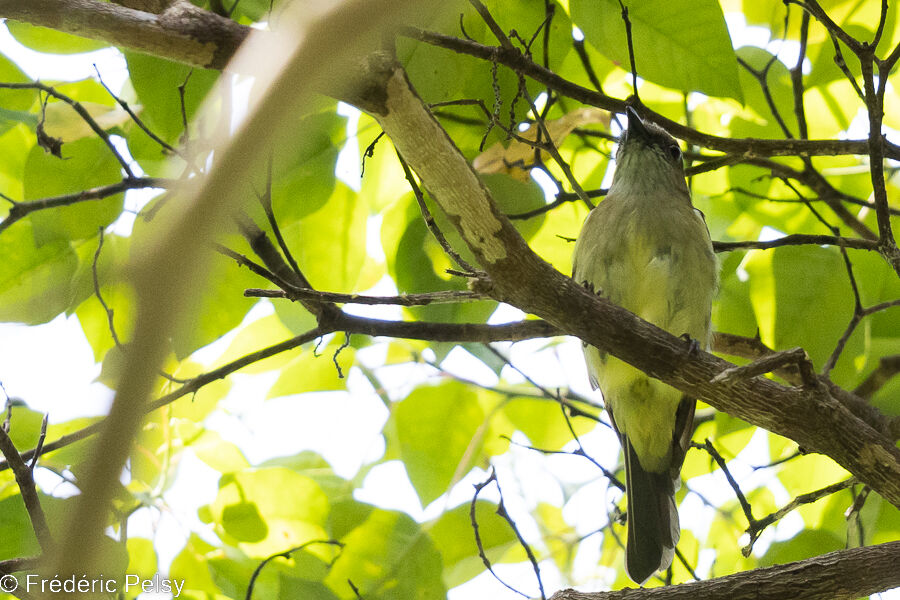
x=646, y=248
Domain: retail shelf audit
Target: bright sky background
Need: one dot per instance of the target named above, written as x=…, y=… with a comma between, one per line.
x=52, y=369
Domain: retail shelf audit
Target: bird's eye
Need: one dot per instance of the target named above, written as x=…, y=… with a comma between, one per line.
x=674, y=152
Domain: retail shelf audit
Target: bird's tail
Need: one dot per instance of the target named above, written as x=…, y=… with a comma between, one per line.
x=653, y=528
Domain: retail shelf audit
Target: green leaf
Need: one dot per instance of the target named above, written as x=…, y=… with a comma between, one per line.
x=782, y=307
x=18, y=537
x=303, y=177
x=417, y=262
x=15, y=101
x=346, y=513
x=454, y=539
x=86, y=163
x=513, y=196
x=388, y=557
x=806, y=544
x=256, y=10
x=778, y=81
x=142, y=559
x=51, y=41
x=732, y=435
x=561, y=537
x=807, y=473
x=732, y=311
x=24, y=426
x=34, y=280
x=156, y=82
x=219, y=454
x=191, y=565
x=543, y=422
x=220, y=308
x=330, y=244
x=680, y=44
x=14, y=147
x=315, y=372
x=261, y=333
x=269, y=509
x=434, y=428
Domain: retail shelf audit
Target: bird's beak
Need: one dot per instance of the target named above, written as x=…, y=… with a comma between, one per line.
x=635, y=125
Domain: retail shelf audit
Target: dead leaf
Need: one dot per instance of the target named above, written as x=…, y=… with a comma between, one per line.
x=513, y=159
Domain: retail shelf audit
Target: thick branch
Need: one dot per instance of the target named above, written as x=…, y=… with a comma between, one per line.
x=518, y=62
x=183, y=32
x=812, y=417
x=193, y=36
x=25, y=480
x=841, y=575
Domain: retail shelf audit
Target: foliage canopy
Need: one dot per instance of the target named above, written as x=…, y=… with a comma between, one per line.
x=90, y=174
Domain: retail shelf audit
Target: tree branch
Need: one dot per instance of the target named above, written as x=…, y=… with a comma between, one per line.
x=813, y=418
x=183, y=32
x=519, y=63
x=840, y=575
x=19, y=210
x=25, y=481
x=415, y=330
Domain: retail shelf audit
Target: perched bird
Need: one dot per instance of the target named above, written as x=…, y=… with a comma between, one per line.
x=647, y=249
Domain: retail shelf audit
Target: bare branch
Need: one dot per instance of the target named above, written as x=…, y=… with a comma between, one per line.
x=25, y=481
x=82, y=112
x=749, y=146
x=841, y=575
x=20, y=210
x=441, y=297
x=182, y=33
x=797, y=239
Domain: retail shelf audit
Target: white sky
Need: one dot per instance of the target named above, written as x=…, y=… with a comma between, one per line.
x=268, y=428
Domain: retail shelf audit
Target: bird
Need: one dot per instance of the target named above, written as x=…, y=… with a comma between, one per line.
x=647, y=249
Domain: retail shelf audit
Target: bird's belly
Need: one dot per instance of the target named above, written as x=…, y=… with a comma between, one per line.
x=644, y=410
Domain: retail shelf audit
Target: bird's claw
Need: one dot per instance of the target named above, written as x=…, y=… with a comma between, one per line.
x=693, y=345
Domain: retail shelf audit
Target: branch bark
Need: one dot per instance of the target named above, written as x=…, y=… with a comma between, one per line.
x=812, y=417
x=841, y=575
x=182, y=32
x=200, y=38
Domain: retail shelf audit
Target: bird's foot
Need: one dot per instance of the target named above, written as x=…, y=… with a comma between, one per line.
x=590, y=287
x=693, y=345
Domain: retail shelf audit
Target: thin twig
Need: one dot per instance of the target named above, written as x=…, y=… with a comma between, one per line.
x=430, y=222
x=476, y=530
x=423, y=299
x=762, y=78
x=106, y=308
x=888, y=367
x=25, y=480
x=743, y=146
x=266, y=201
x=630, y=42
x=768, y=364
x=137, y=120
x=797, y=78
x=714, y=454
x=19, y=210
x=285, y=554
x=758, y=525
x=797, y=239
x=82, y=112
x=561, y=198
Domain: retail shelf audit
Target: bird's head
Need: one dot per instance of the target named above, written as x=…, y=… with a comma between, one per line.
x=648, y=156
